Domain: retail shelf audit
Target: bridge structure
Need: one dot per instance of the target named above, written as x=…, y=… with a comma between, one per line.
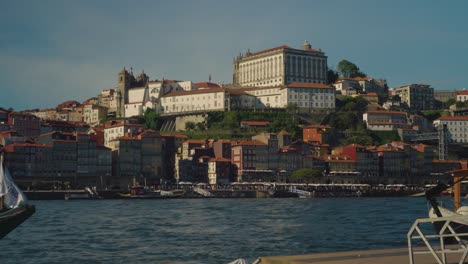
x=441, y=136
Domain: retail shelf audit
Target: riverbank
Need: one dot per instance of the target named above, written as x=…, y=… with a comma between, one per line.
x=190, y=193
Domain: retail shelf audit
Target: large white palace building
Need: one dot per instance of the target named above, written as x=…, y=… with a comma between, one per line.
x=280, y=65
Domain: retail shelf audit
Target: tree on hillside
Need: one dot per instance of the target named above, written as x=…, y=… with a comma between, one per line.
x=231, y=120
x=449, y=103
x=344, y=120
x=152, y=119
x=306, y=174
x=189, y=125
x=332, y=76
x=349, y=103
x=348, y=69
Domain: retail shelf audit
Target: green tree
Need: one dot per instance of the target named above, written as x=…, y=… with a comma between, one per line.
x=449, y=102
x=332, y=76
x=348, y=69
x=344, y=120
x=189, y=125
x=152, y=119
x=231, y=120
x=306, y=174
x=363, y=140
x=431, y=115
x=200, y=126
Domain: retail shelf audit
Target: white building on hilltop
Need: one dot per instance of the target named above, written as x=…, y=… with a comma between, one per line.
x=280, y=65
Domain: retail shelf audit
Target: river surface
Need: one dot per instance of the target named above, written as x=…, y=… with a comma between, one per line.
x=206, y=230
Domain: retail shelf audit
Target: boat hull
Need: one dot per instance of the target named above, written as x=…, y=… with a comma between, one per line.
x=12, y=218
x=458, y=226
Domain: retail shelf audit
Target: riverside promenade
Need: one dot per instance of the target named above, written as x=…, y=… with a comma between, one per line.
x=381, y=256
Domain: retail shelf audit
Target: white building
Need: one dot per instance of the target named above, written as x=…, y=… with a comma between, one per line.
x=462, y=96
x=141, y=98
x=212, y=99
x=92, y=114
x=309, y=97
x=380, y=120
x=117, y=131
x=457, y=127
x=280, y=65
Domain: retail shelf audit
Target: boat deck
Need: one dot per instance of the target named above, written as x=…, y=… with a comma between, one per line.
x=381, y=256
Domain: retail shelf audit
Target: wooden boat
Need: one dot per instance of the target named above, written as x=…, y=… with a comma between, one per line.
x=14, y=208
x=12, y=218
x=460, y=212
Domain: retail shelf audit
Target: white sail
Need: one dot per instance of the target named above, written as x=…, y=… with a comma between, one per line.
x=13, y=197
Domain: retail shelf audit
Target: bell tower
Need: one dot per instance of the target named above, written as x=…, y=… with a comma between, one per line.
x=122, y=87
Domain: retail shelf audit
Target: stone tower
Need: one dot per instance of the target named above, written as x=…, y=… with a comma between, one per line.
x=306, y=45
x=122, y=88
x=127, y=81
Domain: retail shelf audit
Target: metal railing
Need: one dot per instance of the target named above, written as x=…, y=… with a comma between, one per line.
x=440, y=249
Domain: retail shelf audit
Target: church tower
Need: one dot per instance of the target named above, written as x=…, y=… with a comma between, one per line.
x=122, y=88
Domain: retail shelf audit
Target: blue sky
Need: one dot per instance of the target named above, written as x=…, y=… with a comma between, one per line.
x=54, y=51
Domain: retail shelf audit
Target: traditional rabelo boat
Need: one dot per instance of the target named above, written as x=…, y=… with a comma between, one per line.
x=14, y=208
x=460, y=225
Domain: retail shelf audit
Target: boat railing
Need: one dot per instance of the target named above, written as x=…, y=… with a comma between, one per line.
x=202, y=192
x=435, y=243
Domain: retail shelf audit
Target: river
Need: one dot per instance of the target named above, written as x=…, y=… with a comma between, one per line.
x=206, y=230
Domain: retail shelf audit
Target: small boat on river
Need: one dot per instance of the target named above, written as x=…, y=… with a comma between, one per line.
x=140, y=192
x=14, y=208
x=460, y=225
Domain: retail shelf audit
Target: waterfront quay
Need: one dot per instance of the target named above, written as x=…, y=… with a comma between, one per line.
x=381, y=256
x=243, y=190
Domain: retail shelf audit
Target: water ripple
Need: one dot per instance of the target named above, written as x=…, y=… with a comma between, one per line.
x=189, y=231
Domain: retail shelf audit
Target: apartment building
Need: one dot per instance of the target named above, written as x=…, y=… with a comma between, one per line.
x=417, y=96
x=457, y=127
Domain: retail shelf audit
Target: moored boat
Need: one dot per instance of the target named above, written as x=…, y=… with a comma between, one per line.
x=14, y=208
x=460, y=213
x=140, y=192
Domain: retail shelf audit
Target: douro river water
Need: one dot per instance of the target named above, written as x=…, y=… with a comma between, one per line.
x=206, y=230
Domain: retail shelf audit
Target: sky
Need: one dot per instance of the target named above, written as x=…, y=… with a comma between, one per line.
x=55, y=51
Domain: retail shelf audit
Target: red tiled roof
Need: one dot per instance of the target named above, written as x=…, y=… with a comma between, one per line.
x=200, y=91
x=148, y=131
x=453, y=118
x=318, y=126
x=368, y=94
x=249, y=143
x=124, y=125
x=174, y=135
x=268, y=50
x=11, y=147
x=256, y=123
x=462, y=92
x=383, y=112
x=279, y=48
x=207, y=85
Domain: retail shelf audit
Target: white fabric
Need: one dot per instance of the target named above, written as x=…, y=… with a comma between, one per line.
x=13, y=197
